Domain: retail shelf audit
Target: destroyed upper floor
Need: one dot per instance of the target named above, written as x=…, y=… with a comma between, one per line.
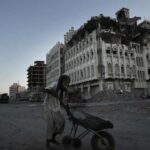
x=122, y=29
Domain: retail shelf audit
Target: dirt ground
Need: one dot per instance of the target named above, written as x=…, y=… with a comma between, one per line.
x=22, y=125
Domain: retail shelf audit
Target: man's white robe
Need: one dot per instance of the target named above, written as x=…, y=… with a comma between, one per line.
x=54, y=118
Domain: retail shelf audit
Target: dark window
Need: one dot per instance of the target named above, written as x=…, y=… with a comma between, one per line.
x=108, y=51
x=115, y=52
x=122, y=69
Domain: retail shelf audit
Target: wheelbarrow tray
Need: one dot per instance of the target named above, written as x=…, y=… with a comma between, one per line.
x=90, y=121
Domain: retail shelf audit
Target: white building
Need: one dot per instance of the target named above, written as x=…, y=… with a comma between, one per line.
x=54, y=63
x=15, y=89
x=106, y=53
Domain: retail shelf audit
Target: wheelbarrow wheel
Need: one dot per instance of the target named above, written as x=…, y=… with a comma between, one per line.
x=76, y=143
x=66, y=141
x=104, y=141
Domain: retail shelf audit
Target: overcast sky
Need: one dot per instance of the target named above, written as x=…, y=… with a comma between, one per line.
x=29, y=28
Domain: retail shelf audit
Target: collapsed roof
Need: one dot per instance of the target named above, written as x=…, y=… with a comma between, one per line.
x=123, y=29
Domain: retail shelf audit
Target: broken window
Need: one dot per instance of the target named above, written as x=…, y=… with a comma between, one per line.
x=145, y=44
x=114, y=52
x=126, y=53
x=122, y=69
x=147, y=56
x=148, y=71
x=108, y=51
x=131, y=54
x=92, y=54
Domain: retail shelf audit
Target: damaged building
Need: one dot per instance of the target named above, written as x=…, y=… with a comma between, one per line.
x=109, y=54
x=36, y=80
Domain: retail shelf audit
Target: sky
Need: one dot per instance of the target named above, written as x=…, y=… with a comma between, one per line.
x=30, y=28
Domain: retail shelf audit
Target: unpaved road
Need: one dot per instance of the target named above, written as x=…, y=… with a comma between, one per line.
x=22, y=125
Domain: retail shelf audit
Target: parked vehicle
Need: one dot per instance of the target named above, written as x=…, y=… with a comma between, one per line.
x=4, y=98
x=101, y=139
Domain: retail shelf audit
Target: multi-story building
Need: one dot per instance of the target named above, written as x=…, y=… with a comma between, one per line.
x=15, y=89
x=107, y=53
x=55, y=63
x=36, y=80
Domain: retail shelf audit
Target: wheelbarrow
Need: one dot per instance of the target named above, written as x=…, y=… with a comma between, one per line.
x=101, y=138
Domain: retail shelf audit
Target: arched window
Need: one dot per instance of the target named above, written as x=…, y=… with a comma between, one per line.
x=78, y=75
x=74, y=63
x=80, y=59
x=77, y=50
x=134, y=70
x=128, y=70
x=109, y=67
x=75, y=77
x=81, y=74
x=85, y=73
x=116, y=69
x=92, y=70
x=88, y=71
x=87, y=56
x=84, y=58
x=122, y=69
x=77, y=61
x=72, y=77
x=91, y=54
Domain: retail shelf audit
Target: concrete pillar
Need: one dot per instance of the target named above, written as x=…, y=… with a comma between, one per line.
x=89, y=90
x=82, y=88
x=100, y=84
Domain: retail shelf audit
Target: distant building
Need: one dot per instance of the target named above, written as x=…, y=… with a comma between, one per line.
x=23, y=96
x=14, y=89
x=55, y=63
x=36, y=80
x=36, y=75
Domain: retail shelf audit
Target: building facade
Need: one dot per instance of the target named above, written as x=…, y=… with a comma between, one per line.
x=36, y=80
x=55, y=63
x=109, y=54
x=14, y=90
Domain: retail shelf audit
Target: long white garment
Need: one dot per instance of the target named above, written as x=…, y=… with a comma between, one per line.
x=54, y=119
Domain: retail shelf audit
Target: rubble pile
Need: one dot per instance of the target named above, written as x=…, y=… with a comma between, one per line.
x=111, y=95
